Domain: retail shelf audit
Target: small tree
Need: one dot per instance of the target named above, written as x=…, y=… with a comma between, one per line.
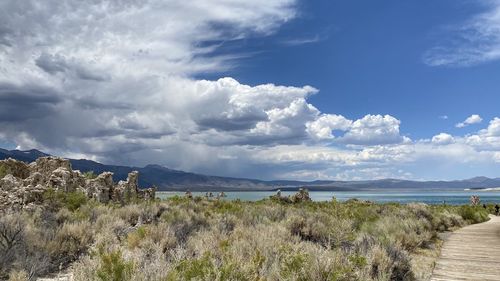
x=12, y=230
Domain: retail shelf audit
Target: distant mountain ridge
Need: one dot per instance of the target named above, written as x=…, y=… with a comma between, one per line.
x=167, y=179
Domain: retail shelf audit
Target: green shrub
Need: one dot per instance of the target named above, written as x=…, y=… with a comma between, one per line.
x=73, y=200
x=195, y=269
x=134, y=238
x=227, y=207
x=230, y=271
x=185, y=239
x=90, y=175
x=56, y=200
x=113, y=267
x=294, y=265
x=4, y=170
x=473, y=214
x=358, y=261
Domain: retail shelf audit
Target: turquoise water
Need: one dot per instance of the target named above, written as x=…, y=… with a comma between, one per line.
x=430, y=197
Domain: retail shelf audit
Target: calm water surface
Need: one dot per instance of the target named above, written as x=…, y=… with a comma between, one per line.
x=429, y=197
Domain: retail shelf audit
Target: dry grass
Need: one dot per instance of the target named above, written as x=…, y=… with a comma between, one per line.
x=198, y=239
x=423, y=260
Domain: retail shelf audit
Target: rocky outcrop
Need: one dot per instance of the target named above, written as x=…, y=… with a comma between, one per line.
x=24, y=184
x=127, y=189
x=8, y=191
x=101, y=187
x=16, y=168
x=301, y=196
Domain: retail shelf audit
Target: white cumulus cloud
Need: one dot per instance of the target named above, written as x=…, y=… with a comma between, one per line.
x=486, y=139
x=473, y=119
x=443, y=139
x=322, y=127
x=374, y=129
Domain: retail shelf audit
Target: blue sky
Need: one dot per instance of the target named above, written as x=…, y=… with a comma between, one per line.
x=266, y=89
x=367, y=57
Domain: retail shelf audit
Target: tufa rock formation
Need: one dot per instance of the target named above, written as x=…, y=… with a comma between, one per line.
x=301, y=196
x=23, y=185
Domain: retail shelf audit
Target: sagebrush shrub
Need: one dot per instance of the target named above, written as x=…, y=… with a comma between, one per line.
x=114, y=267
x=202, y=239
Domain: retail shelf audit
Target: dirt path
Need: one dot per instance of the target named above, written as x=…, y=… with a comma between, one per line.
x=471, y=253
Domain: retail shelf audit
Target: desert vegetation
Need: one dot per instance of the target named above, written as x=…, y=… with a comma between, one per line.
x=201, y=239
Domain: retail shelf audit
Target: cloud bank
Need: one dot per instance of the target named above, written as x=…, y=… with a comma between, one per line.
x=114, y=81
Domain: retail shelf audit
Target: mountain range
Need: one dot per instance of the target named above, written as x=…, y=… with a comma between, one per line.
x=166, y=179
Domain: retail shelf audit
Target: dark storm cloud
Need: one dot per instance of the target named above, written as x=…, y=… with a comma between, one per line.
x=57, y=63
x=149, y=134
x=92, y=102
x=51, y=64
x=232, y=124
x=5, y=36
x=243, y=138
x=87, y=74
x=19, y=103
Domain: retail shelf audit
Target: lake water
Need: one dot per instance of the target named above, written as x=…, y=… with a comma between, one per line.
x=404, y=197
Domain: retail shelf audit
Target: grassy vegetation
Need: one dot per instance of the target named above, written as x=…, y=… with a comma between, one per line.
x=90, y=175
x=56, y=200
x=199, y=239
x=4, y=170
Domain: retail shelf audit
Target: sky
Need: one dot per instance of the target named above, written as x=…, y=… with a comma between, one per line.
x=267, y=89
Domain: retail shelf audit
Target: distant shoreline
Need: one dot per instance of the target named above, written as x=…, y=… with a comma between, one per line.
x=457, y=197
x=483, y=189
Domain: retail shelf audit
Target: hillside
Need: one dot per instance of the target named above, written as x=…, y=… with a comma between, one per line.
x=167, y=179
